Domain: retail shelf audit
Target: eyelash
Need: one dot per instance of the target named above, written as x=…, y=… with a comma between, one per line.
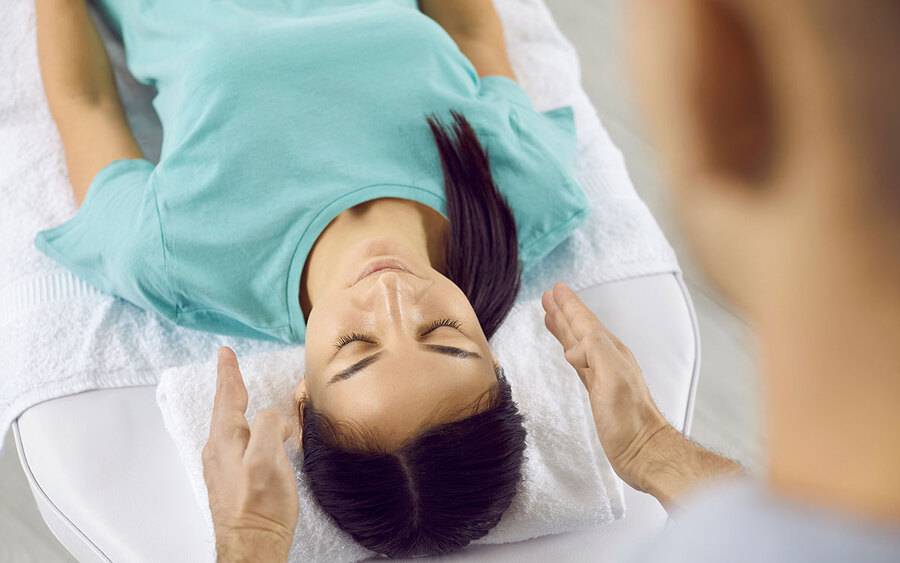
x=452, y=323
x=357, y=337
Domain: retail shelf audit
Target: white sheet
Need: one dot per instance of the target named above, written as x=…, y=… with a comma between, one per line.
x=58, y=336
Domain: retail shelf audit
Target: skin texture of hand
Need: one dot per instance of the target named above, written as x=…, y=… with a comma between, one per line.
x=644, y=450
x=625, y=415
x=252, y=490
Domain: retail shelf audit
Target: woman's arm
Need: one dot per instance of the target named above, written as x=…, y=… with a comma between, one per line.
x=81, y=91
x=476, y=28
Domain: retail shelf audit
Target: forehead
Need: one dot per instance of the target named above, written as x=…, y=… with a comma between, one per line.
x=396, y=397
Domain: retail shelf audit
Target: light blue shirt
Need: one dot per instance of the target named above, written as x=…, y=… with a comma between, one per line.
x=277, y=116
x=745, y=522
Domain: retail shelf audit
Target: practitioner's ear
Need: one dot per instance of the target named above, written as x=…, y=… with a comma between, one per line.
x=702, y=82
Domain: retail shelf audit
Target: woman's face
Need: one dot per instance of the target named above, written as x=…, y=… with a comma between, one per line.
x=393, y=345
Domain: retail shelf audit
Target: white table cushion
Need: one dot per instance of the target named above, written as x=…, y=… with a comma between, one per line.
x=110, y=485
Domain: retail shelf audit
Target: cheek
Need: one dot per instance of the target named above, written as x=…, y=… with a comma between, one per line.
x=447, y=299
x=314, y=373
x=449, y=294
x=319, y=328
x=325, y=318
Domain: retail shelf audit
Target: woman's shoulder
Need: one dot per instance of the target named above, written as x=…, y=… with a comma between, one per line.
x=532, y=157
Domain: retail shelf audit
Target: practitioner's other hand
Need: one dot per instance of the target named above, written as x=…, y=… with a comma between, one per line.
x=624, y=413
x=252, y=490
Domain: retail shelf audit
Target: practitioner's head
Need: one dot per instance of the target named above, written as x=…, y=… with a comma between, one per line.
x=778, y=123
x=411, y=440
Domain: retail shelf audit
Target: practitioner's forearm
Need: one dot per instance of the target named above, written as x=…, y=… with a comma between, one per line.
x=477, y=30
x=669, y=465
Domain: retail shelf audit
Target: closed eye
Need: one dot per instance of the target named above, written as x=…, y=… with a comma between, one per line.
x=369, y=339
x=452, y=323
x=353, y=337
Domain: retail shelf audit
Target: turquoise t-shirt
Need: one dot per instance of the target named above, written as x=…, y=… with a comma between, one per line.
x=277, y=116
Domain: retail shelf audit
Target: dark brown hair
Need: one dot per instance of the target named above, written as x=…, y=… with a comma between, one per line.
x=444, y=488
x=452, y=483
x=482, y=249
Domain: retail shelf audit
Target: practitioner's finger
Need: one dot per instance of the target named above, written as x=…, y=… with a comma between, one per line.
x=562, y=329
x=266, y=452
x=583, y=323
x=229, y=425
x=581, y=320
x=556, y=322
x=271, y=486
x=547, y=301
x=577, y=357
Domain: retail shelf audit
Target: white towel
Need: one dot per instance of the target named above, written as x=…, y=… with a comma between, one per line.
x=58, y=336
x=567, y=481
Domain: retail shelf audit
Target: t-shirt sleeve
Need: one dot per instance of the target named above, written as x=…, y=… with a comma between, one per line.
x=535, y=168
x=114, y=241
x=556, y=127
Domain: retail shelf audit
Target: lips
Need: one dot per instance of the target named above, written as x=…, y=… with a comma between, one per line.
x=380, y=265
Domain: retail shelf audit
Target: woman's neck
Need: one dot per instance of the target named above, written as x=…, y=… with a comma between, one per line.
x=416, y=227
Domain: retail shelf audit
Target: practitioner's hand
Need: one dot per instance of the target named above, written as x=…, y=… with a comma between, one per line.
x=252, y=491
x=625, y=415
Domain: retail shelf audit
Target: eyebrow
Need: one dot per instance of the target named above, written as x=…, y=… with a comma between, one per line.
x=352, y=370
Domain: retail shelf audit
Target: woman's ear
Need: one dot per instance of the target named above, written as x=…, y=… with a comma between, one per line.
x=300, y=397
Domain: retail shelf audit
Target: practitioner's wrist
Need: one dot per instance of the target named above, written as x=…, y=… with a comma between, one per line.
x=669, y=464
x=657, y=463
x=252, y=545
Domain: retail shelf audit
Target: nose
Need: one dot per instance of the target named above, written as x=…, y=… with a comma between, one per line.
x=394, y=298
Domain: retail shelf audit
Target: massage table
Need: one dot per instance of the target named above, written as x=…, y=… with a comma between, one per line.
x=111, y=487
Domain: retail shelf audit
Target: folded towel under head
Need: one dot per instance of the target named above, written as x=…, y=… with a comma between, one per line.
x=567, y=481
